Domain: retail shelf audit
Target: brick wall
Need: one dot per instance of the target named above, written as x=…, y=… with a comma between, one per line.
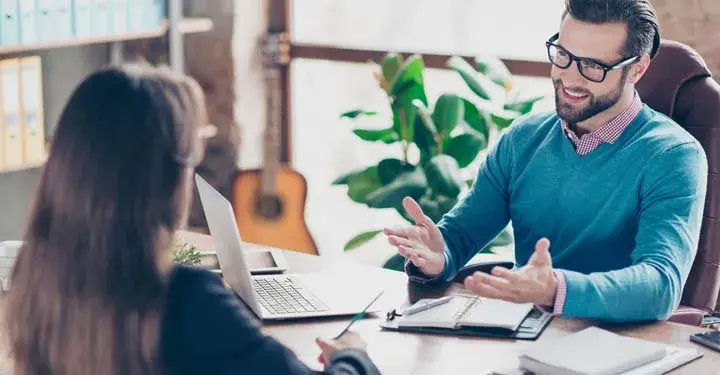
x=693, y=22
x=209, y=59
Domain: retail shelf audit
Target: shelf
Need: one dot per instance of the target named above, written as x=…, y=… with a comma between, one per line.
x=24, y=167
x=187, y=26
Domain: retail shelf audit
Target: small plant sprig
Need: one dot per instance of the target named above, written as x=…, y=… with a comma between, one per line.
x=184, y=253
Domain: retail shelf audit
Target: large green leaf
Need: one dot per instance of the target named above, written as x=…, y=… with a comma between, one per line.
x=424, y=140
x=478, y=83
x=344, y=178
x=444, y=176
x=448, y=113
x=523, y=106
x=403, y=121
x=410, y=74
x=464, y=147
x=390, y=66
x=503, y=118
x=436, y=205
x=363, y=184
x=374, y=135
x=360, y=239
x=357, y=113
x=396, y=263
x=426, y=117
x=495, y=69
x=475, y=119
x=390, y=168
x=408, y=184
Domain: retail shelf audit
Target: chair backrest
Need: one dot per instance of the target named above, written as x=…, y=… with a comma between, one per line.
x=679, y=84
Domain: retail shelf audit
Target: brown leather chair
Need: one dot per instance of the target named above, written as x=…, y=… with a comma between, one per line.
x=679, y=84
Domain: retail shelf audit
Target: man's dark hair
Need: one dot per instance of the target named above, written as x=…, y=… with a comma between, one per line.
x=638, y=15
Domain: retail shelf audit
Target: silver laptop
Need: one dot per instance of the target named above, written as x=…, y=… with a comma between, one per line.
x=275, y=297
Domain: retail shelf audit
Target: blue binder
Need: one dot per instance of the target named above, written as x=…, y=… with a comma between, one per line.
x=28, y=21
x=10, y=22
x=46, y=31
x=82, y=18
x=135, y=11
x=118, y=15
x=100, y=17
x=63, y=19
x=154, y=14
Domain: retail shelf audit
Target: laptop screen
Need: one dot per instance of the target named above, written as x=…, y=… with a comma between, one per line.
x=226, y=237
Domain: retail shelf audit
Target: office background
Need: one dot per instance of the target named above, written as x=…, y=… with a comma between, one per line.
x=321, y=145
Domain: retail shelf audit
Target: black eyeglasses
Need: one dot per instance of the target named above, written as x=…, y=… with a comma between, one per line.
x=591, y=69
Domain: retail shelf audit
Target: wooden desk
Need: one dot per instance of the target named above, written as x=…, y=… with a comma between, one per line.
x=406, y=353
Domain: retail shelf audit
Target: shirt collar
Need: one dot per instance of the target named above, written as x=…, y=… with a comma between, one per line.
x=612, y=129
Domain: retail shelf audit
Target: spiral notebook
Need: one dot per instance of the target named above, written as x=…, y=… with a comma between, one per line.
x=470, y=311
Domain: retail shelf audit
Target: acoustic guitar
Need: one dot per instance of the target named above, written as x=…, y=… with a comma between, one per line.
x=269, y=203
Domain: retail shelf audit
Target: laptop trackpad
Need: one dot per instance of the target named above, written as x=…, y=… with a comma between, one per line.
x=341, y=293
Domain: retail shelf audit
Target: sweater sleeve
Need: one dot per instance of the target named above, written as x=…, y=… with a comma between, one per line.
x=670, y=215
x=220, y=336
x=481, y=214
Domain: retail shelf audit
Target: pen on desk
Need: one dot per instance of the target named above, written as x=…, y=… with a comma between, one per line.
x=358, y=316
x=424, y=306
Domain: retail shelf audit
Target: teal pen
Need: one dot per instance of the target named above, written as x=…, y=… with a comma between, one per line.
x=358, y=316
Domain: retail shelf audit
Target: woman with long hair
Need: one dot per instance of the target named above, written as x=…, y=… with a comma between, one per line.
x=93, y=289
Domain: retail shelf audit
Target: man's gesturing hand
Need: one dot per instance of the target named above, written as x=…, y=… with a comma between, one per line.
x=533, y=283
x=422, y=243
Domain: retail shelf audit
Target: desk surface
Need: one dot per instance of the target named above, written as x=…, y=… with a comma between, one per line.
x=414, y=354
x=407, y=353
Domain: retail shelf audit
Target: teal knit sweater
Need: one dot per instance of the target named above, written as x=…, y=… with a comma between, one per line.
x=623, y=221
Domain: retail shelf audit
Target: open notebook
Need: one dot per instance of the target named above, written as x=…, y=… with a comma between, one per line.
x=470, y=311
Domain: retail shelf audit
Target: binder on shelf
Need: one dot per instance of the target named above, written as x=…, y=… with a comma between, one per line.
x=28, y=21
x=100, y=16
x=154, y=13
x=46, y=21
x=82, y=18
x=31, y=109
x=63, y=19
x=118, y=14
x=135, y=11
x=10, y=91
x=9, y=22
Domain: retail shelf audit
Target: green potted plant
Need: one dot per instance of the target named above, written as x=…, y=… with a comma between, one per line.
x=448, y=136
x=185, y=253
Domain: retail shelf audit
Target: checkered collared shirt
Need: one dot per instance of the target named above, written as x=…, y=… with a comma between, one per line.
x=607, y=133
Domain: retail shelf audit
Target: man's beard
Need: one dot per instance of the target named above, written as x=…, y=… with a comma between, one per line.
x=572, y=115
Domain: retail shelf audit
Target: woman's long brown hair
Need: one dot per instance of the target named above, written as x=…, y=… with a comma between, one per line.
x=88, y=286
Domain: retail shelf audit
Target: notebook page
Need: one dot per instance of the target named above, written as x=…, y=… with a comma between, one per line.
x=489, y=312
x=443, y=316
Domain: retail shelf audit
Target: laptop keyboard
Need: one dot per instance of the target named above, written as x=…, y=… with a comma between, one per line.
x=284, y=296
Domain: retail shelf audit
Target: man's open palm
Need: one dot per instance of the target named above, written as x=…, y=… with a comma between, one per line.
x=422, y=243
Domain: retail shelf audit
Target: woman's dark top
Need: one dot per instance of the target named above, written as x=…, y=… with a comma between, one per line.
x=206, y=329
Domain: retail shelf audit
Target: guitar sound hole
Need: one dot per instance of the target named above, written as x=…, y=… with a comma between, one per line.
x=270, y=207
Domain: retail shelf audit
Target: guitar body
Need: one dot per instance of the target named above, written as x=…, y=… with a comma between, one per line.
x=278, y=220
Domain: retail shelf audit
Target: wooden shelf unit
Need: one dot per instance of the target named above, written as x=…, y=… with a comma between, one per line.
x=187, y=26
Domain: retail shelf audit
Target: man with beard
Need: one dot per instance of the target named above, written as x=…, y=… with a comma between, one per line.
x=605, y=195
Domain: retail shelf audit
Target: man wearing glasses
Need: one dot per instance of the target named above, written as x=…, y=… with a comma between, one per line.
x=605, y=195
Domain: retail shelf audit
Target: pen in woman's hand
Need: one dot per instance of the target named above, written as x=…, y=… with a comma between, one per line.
x=358, y=316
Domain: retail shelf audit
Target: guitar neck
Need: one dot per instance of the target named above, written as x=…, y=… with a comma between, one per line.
x=271, y=160
x=276, y=58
